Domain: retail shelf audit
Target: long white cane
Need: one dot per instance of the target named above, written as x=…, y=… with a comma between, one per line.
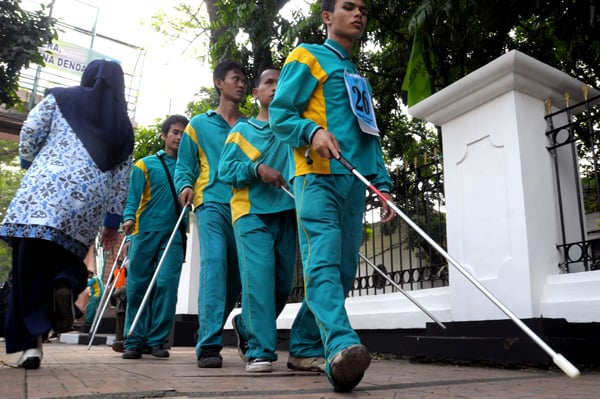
x=103, y=305
x=388, y=279
x=410, y=298
x=567, y=367
x=103, y=298
x=158, y=267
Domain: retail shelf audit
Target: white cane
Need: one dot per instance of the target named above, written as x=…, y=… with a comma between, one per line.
x=98, y=315
x=158, y=267
x=103, y=306
x=410, y=298
x=567, y=367
x=388, y=278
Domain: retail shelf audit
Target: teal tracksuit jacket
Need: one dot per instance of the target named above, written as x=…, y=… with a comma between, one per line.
x=312, y=94
x=151, y=204
x=197, y=167
x=265, y=229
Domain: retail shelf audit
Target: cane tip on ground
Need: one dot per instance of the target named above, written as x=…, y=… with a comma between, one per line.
x=566, y=366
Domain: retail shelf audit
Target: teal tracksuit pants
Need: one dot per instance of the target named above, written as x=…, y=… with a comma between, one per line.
x=266, y=246
x=220, y=286
x=92, y=308
x=156, y=319
x=330, y=211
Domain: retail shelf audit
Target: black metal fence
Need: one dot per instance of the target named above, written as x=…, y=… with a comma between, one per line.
x=406, y=259
x=574, y=143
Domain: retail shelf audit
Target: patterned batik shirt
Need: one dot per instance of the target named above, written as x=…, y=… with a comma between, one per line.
x=64, y=195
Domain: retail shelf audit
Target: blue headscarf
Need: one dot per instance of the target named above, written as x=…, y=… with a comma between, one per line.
x=97, y=112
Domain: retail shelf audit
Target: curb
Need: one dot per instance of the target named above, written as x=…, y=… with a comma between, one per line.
x=84, y=339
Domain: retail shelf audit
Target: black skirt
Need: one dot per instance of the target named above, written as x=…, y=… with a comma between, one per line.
x=37, y=265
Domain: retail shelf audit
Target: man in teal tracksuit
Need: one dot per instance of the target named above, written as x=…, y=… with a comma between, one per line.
x=264, y=222
x=150, y=216
x=96, y=290
x=323, y=108
x=198, y=184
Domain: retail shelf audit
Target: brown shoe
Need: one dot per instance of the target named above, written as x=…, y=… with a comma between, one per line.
x=63, y=312
x=133, y=353
x=306, y=363
x=210, y=362
x=159, y=351
x=348, y=367
x=118, y=346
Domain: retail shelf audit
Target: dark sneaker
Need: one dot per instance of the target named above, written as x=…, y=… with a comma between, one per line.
x=306, y=363
x=159, y=351
x=210, y=361
x=134, y=353
x=242, y=343
x=259, y=365
x=63, y=311
x=348, y=367
x=118, y=346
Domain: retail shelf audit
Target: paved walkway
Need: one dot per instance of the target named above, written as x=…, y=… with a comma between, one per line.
x=73, y=371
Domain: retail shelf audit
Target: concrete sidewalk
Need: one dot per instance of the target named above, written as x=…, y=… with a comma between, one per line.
x=73, y=371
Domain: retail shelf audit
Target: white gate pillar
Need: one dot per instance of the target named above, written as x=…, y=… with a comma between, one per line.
x=187, y=293
x=502, y=213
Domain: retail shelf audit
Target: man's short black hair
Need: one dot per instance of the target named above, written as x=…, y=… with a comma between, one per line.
x=171, y=120
x=223, y=67
x=258, y=76
x=328, y=5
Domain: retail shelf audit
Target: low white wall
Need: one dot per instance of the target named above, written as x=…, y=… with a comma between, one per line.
x=187, y=292
x=574, y=297
x=381, y=312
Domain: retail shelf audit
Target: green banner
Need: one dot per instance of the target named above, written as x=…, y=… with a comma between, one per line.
x=417, y=81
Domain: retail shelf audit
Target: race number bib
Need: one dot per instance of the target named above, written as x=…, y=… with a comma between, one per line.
x=360, y=102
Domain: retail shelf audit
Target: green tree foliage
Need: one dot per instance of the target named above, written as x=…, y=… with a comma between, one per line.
x=10, y=177
x=468, y=34
x=147, y=140
x=253, y=33
x=207, y=99
x=10, y=173
x=21, y=34
x=465, y=35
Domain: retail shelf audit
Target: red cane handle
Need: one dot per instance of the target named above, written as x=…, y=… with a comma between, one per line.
x=369, y=185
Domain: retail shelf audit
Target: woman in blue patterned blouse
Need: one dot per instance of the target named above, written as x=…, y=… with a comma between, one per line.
x=76, y=145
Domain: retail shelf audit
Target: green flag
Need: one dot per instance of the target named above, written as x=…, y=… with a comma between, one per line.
x=416, y=81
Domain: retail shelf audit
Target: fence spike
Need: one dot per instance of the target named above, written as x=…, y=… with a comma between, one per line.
x=548, y=104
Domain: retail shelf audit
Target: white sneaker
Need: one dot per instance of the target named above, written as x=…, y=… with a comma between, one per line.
x=30, y=359
x=259, y=365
